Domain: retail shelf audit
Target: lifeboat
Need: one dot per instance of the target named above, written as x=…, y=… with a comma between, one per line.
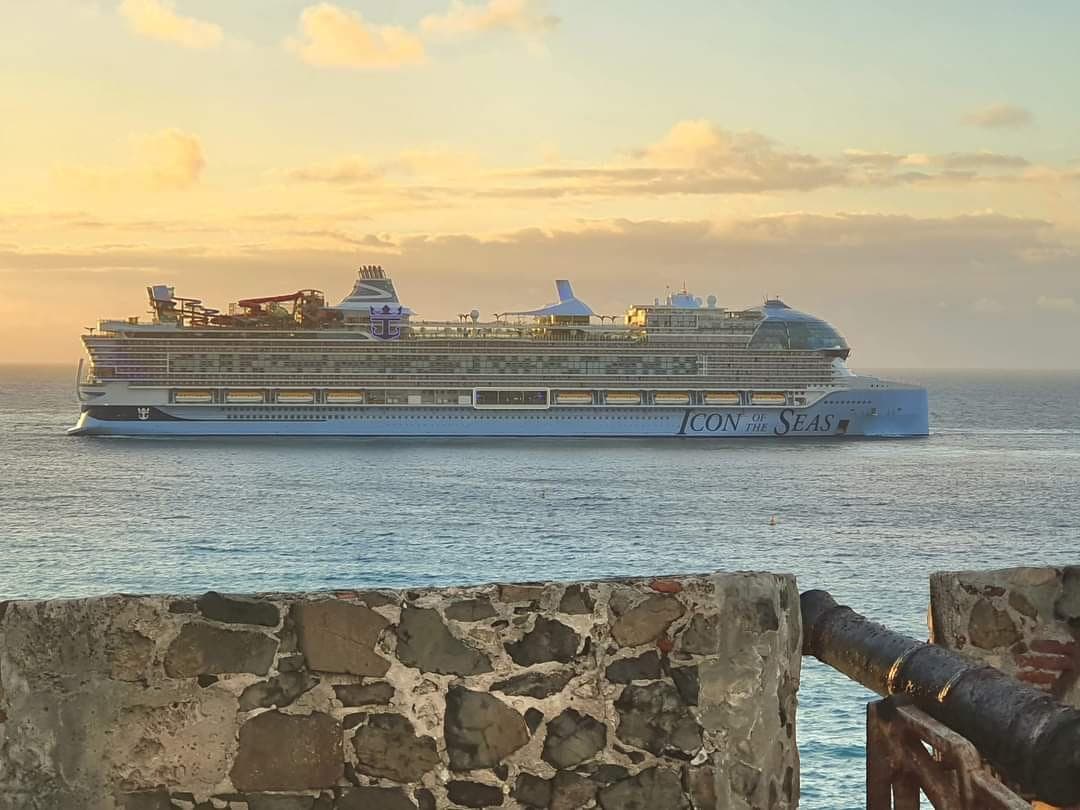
x=574, y=398
x=722, y=398
x=768, y=398
x=296, y=397
x=623, y=397
x=672, y=398
x=245, y=397
x=344, y=397
x=192, y=397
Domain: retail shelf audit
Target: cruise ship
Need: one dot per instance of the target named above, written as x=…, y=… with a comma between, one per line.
x=294, y=365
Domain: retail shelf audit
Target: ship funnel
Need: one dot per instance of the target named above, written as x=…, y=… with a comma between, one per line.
x=373, y=287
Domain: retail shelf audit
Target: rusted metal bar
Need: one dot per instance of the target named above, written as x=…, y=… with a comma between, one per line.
x=951, y=773
x=1030, y=738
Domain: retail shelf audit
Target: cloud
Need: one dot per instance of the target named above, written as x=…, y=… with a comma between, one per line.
x=346, y=171
x=171, y=159
x=157, y=19
x=987, y=306
x=974, y=160
x=520, y=16
x=856, y=243
x=952, y=160
x=892, y=271
x=334, y=37
x=1053, y=304
x=999, y=115
x=694, y=157
x=881, y=160
x=699, y=157
x=167, y=160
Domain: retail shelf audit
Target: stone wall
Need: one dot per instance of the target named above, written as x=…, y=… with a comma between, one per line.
x=633, y=694
x=1025, y=621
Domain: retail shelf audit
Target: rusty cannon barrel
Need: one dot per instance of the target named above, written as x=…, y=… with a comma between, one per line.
x=1032, y=739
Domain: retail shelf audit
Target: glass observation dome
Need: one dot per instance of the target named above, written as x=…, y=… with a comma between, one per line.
x=785, y=328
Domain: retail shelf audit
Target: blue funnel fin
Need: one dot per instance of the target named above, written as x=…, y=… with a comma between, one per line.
x=566, y=293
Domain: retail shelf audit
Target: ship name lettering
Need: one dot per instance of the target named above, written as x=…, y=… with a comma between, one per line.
x=714, y=422
x=803, y=423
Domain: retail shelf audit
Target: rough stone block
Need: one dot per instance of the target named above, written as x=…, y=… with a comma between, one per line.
x=338, y=636
x=655, y=717
x=652, y=788
x=647, y=620
x=288, y=752
x=474, y=794
x=532, y=791
x=374, y=798
x=146, y=800
x=233, y=610
x=425, y=642
x=387, y=746
x=576, y=600
x=481, y=730
x=645, y=667
x=535, y=684
x=203, y=649
x=570, y=791
x=549, y=640
x=278, y=691
x=573, y=738
x=520, y=593
x=279, y=801
x=354, y=694
x=470, y=610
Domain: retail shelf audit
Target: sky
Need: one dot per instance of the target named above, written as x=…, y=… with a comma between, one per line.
x=910, y=172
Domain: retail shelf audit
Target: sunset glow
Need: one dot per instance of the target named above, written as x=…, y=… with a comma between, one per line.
x=913, y=179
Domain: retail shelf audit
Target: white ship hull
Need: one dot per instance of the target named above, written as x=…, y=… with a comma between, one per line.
x=870, y=412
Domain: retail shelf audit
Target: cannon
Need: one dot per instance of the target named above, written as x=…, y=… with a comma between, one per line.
x=1030, y=738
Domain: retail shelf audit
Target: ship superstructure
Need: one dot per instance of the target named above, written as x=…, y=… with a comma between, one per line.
x=291, y=364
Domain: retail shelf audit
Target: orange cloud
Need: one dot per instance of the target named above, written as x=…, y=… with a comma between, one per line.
x=521, y=16
x=157, y=19
x=334, y=37
x=347, y=171
x=165, y=160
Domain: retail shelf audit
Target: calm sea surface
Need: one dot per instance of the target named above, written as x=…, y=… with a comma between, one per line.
x=995, y=485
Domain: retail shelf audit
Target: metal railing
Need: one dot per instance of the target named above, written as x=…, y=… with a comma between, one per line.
x=964, y=734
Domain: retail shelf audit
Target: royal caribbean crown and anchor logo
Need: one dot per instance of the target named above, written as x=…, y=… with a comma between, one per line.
x=386, y=322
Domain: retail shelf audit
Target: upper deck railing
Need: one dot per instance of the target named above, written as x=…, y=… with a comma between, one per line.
x=436, y=331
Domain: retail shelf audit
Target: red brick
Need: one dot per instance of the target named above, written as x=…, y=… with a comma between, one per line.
x=1052, y=662
x=1046, y=645
x=665, y=585
x=1037, y=676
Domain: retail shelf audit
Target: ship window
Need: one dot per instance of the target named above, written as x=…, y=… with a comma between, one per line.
x=770, y=336
x=512, y=399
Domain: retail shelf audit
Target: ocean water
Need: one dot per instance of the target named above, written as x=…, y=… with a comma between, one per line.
x=994, y=485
